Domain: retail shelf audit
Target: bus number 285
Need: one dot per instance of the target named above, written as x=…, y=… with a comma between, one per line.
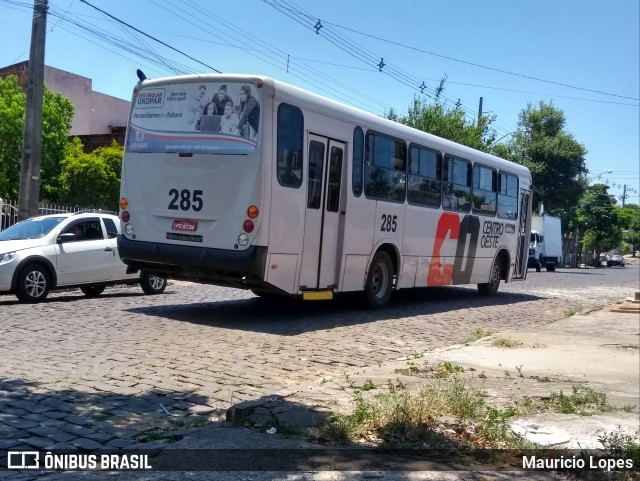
x=185, y=200
x=389, y=223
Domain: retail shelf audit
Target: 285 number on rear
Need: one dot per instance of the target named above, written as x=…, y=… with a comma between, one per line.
x=185, y=200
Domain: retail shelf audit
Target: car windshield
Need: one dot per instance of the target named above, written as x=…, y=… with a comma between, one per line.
x=30, y=228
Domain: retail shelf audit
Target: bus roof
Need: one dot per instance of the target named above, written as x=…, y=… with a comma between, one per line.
x=326, y=106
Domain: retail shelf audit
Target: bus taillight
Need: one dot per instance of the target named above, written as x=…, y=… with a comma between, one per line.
x=124, y=203
x=126, y=217
x=252, y=212
x=248, y=226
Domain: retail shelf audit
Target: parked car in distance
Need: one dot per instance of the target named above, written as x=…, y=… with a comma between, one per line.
x=615, y=260
x=66, y=250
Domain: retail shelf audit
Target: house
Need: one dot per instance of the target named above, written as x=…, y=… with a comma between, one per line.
x=98, y=118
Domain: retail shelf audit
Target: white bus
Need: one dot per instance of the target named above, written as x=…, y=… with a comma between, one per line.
x=282, y=191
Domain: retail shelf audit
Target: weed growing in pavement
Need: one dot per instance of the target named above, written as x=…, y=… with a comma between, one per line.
x=583, y=400
x=436, y=371
x=399, y=417
x=368, y=385
x=519, y=369
x=478, y=334
x=621, y=445
x=450, y=413
x=506, y=342
x=571, y=312
x=411, y=370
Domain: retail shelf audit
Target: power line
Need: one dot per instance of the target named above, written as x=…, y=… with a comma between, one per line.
x=475, y=64
x=151, y=37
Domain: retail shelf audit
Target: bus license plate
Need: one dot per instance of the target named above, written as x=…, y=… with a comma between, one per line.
x=185, y=225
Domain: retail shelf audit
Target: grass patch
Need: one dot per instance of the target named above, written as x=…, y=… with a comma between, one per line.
x=571, y=312
x=478, y=334
x=435, y=371
x=450, y=412
x=506, y=342
x=446, y=411
x=583, y=400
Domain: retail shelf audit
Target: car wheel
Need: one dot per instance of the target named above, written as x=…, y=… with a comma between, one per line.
x=379, y=281
x=608, y=264
x=92, y=291
x=538, y=267
x=152, y=284
x=33, y=284
x=491, y=288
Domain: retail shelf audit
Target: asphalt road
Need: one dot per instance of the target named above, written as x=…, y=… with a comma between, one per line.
x=94, y=373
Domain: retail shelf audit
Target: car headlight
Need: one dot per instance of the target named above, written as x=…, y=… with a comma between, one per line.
x=8, y=257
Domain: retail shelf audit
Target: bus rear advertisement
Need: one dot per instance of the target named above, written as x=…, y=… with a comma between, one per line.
x=248, y=182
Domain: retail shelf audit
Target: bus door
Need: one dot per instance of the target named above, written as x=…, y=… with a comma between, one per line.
x=324, y=214
x=522, y=252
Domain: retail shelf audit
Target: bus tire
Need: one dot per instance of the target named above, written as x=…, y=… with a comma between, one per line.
x=491, y=288
x=551, y=267
x=92, y=291
x=152, y=284
x=379, y=284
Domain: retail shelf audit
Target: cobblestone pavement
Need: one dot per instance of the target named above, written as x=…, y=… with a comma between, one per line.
x=112, y=371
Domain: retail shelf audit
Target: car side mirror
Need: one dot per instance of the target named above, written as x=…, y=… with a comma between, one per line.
x=66, y=237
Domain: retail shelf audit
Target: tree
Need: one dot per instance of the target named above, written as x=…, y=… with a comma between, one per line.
x=91, y=179
x=597, y=217
x=556, y=159
x=630, y=222
x=450, y=123
x=12, y=104
x=57, y=113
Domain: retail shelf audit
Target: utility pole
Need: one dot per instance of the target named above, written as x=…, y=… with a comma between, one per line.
x=480, y=111
x=29, y=196
x=624, y=196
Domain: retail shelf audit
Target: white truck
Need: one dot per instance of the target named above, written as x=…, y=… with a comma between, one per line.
x=545, y=246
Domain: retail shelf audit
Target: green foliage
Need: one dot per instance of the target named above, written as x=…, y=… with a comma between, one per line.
x=597, y=217
x=556, y=159
x=12, y=102
x=91, y=179
x=57, y=113
x=446, y=121
x=630, y=221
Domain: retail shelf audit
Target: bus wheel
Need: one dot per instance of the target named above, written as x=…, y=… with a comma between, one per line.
x=152, y=284
x=491, y=288
x=379, y=281
x=92, y=291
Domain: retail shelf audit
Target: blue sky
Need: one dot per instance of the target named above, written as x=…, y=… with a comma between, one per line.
x=583, y=53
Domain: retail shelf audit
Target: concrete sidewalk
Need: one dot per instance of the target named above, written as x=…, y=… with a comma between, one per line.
x=599, y=350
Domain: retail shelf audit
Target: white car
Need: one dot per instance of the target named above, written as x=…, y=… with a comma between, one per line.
x=66, y=250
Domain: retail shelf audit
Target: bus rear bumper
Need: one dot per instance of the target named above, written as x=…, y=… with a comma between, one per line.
x=243, y=269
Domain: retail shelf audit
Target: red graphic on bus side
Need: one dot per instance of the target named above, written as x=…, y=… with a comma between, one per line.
x=448, y=224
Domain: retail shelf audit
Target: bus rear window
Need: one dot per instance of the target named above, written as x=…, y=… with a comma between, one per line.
x=196, y=117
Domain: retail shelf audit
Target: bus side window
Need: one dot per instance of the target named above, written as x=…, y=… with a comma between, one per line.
x=508, y=196
x=290, y=129
x=385, y=167
x=485, y=191
x=358, y=155
x=456, y=184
